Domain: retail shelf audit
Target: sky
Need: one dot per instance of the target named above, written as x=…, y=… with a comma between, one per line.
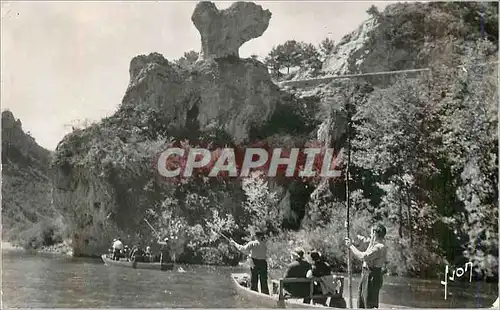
x=66, y=62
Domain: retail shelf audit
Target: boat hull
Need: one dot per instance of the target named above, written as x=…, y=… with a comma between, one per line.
x=271, y=301
x=136, y=265
x=265, y=301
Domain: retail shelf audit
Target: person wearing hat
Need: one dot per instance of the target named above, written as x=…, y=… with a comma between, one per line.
x=148, y=254
x=137, y=254
x=374, y=259
x=298, y=269
x=164, y=253
x=126, y=251
x=258, y=257
x=319, y=268
x=117, y=247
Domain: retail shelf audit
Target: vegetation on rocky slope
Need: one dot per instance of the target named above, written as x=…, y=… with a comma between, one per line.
x=28, y=217
x=424, y=153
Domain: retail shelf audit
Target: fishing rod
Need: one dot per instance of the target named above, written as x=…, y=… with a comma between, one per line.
x=348, y=204
x=228, y=239
x=155, y=231
x=222, y=235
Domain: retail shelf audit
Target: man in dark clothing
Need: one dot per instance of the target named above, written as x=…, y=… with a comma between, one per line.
x=257, y=249
x=164, y=255
x=137, y=254
x=298, y=269
x=319, y=268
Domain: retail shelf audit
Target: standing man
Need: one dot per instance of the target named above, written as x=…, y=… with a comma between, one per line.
x=373, y=259
x=258, y=256
x=164, y=253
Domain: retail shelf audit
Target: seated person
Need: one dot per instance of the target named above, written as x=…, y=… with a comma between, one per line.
x=298, y=269
x=137, y=254
x=126, y=251
x=319, y=268
x=148, y=254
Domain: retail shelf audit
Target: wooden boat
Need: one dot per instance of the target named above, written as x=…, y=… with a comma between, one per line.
x=266, y=301
x=272, y=301
x=136, y=265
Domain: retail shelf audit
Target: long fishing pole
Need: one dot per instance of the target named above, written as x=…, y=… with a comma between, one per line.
x=156, y=232
x=227, y=238
x=348, y=205
x=222, y=235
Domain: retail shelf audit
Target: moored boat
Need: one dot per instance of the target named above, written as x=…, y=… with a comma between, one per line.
x=272, y=301
x=268, y=301
x=136, y=265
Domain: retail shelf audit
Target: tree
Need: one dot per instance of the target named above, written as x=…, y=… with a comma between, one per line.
x=373, y=11
x=287, y=55
x=271, y=61
x=188, y=59
x=394, y=142
x=309, y=57
x=326, y=48
x=470, y=142
x=261, y=204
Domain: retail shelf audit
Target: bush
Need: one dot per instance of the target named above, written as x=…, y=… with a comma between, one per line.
x=41, y=234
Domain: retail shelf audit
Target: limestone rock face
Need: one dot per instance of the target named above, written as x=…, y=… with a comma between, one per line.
x=232, y=94
x=223, y=32
x=101, y=171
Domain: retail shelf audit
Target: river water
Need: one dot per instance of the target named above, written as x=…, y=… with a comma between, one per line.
x=45, y=280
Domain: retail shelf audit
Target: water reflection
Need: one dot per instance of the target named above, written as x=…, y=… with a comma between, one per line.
x=42, y=280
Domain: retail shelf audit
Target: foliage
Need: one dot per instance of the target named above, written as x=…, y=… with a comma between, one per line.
x=260, y=205
x=188, y=60
x=373, y=11
x=194, y=239
x=326, y=48
x=431, y=148
x=292, y=54
x=43, y=233
x=329, y=239
x=470, y=142
x=28, y=216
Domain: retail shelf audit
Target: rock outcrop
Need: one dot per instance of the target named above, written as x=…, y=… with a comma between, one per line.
x=26, y=186
x=102, y=172
x=231, y=94
x=223, y=32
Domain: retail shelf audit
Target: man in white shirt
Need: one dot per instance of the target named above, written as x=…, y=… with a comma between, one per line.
x=117, y=247
x=374, y=258
x=258, y=256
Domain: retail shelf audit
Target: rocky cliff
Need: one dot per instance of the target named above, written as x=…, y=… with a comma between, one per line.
x=410, y=36
x=28, y=216
x=105, y=179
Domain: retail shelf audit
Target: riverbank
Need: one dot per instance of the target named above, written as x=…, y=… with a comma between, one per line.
x=61, y=248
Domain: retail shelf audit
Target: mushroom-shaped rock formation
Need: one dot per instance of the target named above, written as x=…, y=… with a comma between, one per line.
x=101, y=171
x=223, y=32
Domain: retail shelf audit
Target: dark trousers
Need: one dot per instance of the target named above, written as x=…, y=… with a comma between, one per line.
x=369, y=287
x=259, y=272
x=317, y=291
x=116, y=254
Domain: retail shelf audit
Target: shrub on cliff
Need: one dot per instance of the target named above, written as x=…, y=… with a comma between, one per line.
x=26, y=187
x=293, y=55
x=429, y=147
x=42, y=234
